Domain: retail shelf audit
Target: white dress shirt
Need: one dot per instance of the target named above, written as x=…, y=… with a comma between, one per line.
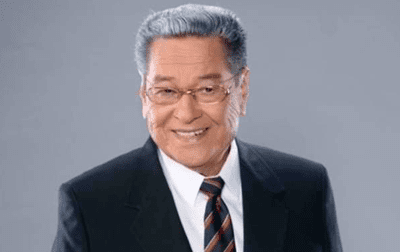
x=191, y=203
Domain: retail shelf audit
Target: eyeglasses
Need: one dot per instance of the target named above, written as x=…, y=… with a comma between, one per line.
x=211, y=91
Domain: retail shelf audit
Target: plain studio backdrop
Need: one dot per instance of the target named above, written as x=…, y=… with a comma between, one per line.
x=324, y=85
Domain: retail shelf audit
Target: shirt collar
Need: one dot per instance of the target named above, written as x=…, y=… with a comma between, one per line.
x=186, y=182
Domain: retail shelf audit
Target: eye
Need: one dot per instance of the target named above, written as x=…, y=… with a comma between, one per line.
x=208, y=90
x=165, y=91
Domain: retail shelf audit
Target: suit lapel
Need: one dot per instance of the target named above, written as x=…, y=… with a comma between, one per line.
x=264, y=212
x=157, y=226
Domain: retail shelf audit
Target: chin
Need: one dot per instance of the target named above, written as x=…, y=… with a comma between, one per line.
x=192, y=158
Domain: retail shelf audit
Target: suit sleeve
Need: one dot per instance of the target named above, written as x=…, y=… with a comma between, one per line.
x=71, y=235
x=330, y=226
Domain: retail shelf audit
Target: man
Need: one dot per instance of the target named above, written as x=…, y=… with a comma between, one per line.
x=193, y=186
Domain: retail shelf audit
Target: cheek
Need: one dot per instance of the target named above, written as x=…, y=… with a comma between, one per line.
x=227, y=119
x=156, y=119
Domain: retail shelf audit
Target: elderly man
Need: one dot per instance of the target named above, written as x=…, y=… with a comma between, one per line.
x=193, y=186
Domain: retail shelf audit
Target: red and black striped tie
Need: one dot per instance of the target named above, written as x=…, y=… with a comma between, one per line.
x=218, y=233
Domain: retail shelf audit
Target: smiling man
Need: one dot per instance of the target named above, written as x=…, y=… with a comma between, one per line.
x=194, y=186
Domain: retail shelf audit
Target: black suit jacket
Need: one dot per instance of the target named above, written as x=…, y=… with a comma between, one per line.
x=126, y=205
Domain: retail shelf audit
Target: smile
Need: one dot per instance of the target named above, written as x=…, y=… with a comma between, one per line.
x=192, y=133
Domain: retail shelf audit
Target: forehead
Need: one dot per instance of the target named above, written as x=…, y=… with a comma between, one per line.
x=171, y=56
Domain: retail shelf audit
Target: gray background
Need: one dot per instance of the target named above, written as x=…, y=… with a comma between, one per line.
x=324, y=85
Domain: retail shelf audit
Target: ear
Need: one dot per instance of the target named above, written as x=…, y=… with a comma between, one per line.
x=143, y=97
x=244, y=87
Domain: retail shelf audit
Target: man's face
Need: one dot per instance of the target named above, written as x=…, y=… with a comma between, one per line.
x=197, y=135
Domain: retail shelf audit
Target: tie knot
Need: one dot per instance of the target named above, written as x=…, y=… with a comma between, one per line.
x=212, y=186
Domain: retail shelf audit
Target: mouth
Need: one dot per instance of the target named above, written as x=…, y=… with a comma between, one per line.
x=190, y=133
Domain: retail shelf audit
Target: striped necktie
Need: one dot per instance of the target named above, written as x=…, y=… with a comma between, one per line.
x=218, y=231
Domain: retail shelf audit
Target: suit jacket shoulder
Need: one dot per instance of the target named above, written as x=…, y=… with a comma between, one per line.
x=293, y=196
x=112, y=207
x=280, y=162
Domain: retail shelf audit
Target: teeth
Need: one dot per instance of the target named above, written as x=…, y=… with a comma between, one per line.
x=189, y=134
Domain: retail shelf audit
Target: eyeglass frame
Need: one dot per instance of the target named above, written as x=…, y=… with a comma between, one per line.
x=192, y=92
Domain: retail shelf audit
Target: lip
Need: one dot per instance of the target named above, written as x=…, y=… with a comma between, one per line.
x=190, y=130
x=189, y=134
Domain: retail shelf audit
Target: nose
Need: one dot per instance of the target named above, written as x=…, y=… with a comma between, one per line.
x=187, y=109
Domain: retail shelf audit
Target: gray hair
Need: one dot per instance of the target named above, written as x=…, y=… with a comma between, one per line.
x=193, y=20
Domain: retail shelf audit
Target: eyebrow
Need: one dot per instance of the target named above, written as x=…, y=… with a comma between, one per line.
x=210, y=76
x=159, y=78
